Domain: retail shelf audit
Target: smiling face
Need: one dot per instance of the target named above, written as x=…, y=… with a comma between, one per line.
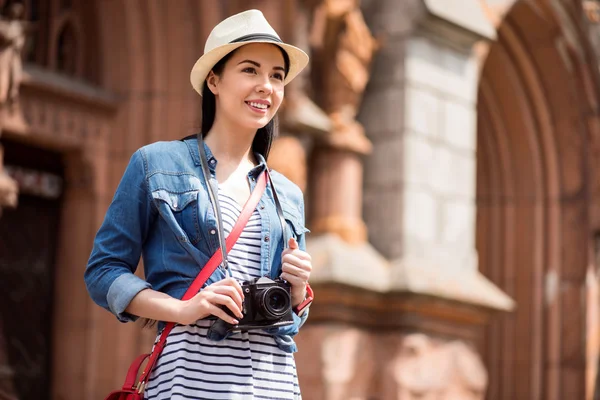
x=250, y=88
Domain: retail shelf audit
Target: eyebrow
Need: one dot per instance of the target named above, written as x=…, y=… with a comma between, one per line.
x=258, y=65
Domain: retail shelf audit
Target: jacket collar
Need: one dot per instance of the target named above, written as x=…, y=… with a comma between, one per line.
x=192, y=144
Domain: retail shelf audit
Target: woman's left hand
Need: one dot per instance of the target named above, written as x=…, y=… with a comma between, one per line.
x=296, y=267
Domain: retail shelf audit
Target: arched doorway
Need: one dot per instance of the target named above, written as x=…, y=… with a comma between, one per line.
x=536, y=107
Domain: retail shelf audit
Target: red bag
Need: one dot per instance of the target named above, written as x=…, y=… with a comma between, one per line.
x=133, y=391
x=130, y=390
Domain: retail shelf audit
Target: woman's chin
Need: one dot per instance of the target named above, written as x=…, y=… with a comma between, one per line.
x=257, y=123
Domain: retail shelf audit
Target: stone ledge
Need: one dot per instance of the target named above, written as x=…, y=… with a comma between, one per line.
x=334, y=260
x=465, y=286
x=463, y=20
x=58, y=112
x=43, y=80
x=348, y=305
x=362, y=267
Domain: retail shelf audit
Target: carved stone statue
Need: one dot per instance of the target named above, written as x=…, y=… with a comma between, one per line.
x=13, y=32
x=426, y=368
x=342, y=51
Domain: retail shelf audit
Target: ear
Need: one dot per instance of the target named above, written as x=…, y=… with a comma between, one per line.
x=212, y=81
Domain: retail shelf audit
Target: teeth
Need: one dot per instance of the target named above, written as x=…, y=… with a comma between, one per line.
x=258, y=105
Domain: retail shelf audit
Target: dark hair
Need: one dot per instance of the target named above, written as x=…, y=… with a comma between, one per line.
x=264, y=136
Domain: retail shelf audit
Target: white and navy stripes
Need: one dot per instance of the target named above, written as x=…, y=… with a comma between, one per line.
x=248, y=365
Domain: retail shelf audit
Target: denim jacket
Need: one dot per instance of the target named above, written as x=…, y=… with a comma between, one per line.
x=162, y=212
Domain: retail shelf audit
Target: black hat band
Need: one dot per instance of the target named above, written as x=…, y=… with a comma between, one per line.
x=257, y=36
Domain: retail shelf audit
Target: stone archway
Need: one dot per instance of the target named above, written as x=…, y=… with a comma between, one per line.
x=537, y=116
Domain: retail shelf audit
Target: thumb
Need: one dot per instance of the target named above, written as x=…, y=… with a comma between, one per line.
x=293, y=244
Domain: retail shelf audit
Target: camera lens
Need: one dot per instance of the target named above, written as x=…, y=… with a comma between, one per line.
x=275, y=302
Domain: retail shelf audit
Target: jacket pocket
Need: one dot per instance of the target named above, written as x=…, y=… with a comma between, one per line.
x=183, y=208
x=176, y=197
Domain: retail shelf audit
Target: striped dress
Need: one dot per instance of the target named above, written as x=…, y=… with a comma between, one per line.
x=248, y=365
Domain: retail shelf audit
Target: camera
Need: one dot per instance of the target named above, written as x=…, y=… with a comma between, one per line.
x=267, y=304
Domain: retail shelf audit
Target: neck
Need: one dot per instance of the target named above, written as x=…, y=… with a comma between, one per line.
x=230, y=144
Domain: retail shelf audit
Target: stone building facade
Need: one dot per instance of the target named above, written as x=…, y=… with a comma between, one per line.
x=448, y=150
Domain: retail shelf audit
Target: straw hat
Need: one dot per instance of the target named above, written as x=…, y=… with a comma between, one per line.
x=240, y=29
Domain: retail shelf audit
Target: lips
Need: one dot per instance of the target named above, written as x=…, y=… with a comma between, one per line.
x=258, y=106
x=263, y=106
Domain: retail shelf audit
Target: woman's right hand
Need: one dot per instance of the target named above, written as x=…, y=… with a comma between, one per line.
x=209, y=300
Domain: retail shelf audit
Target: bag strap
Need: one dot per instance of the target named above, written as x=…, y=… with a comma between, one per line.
x=212, y=264
x=213, y=190
x=133, y=371
x=284, y=225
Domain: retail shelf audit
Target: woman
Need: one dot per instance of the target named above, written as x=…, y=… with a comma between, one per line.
x=162, y=209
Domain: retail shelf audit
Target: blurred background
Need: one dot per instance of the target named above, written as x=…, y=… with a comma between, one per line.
x=449, y=155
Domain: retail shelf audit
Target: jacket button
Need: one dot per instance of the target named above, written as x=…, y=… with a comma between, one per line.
x=212, y=231
x=266, y=238
x=262, y=207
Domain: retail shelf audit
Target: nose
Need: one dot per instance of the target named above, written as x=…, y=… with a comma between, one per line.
x=264, y=85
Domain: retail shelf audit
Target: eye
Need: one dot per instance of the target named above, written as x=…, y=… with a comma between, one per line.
x=250, y=70
x=278, y=76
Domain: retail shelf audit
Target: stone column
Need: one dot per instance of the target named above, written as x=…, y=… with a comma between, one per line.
x=405, y=319
x=421, y=194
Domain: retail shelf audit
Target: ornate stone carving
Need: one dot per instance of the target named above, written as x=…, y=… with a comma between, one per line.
x=13, y=32
x=343, y=48
x=348, y=364
x=62, y=121
x=12, y=40
x=37, y=183
x=427, y=368
x=352, y=363
x=592, y=10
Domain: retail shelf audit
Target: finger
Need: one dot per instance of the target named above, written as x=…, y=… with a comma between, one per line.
x=233, y=283
x=231, y=292
x=220, y=313
x=227, y=302
x=294, y=270
x=293, y=280
x=292, y=243
x=302, y=255
x=298, y=253
x=236, y=285
x=292, y=259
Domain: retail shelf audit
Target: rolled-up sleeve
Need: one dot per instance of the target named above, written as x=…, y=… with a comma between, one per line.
x=110, y=274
